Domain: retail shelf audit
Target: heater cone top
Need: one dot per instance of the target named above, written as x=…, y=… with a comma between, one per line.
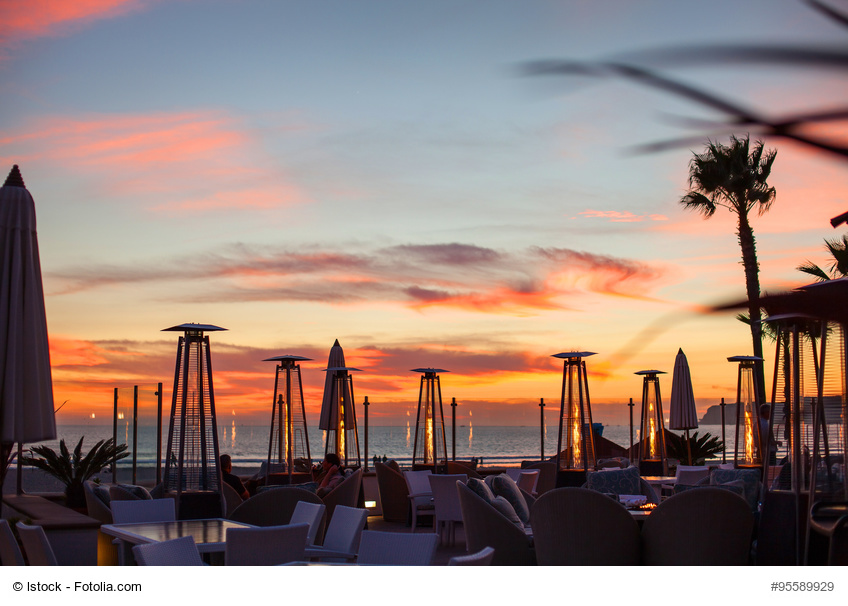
x=286, y=357
x=190, y=326
x=744, y=359
x=429, y=371
x=574, y=354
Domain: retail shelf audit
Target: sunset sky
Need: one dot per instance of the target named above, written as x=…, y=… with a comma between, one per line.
x=385, y=174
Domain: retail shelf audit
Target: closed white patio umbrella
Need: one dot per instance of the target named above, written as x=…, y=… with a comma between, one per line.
x=26, y=386
x=682, y=411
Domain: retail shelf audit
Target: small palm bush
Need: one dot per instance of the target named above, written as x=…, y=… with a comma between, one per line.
x=702, y=448
x=74, y=469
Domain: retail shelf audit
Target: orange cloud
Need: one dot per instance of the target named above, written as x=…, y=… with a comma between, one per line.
x=75, y=352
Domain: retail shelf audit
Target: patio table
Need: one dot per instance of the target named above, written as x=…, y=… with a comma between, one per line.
x=209, y=535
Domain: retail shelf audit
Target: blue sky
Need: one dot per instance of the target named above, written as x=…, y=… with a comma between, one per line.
x=384, y=173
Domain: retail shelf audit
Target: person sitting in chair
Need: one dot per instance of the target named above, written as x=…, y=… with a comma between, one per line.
x=331, y=475
x=229, y=478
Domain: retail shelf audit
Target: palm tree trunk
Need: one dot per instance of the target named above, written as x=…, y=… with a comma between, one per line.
x=752, y=285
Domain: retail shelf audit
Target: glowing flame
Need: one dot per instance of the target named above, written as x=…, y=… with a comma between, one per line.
x=429, y=455
x=749, y=435
x=652, y=432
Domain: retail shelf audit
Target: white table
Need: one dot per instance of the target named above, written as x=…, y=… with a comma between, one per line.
x=209, y=535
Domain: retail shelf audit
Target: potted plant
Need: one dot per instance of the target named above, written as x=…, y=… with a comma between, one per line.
x=74, y=469
x=701, y=448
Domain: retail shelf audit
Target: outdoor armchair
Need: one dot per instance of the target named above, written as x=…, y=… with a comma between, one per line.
x=394, y=493
x=37, y=547
x=582, y=527
x=709, y=526
x=486, y=527
x=396, y=548
x=176, y=552
x=10, y=553
x=272, y=507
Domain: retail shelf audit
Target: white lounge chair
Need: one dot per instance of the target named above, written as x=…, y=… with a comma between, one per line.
x=176, y=552
x=446, y=502
x=266, y=545
x=10, y=553
x=37, y=547
x=341, y=541
x=311, y=514
x=155, y=510
x=420, y=494
x=479, y=558
x=396, y=548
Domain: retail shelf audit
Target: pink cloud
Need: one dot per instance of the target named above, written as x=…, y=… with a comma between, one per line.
x=450, y=275
x=204, y=160
x=29, y=19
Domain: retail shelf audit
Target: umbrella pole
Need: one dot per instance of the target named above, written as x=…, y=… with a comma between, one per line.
x=688, y=448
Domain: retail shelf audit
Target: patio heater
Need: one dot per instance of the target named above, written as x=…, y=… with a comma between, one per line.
x=192, y=468
x=794, y=393
x=342, y=436
x=575, y=441
x=747, y=451
x=430, y=446
x=653, y=459
x=288, y=444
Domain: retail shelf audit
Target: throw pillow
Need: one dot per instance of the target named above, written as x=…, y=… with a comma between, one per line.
x=481, y=489
x=616, y=481
x=102, y=493
x=394, y=465
x=503, y=507
x=750, y=478
x=504, y=486
x=139, y=492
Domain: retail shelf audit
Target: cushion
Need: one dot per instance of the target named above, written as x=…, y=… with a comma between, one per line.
x=393, y=464
x=481, y=489
x=750, y=478
x=102, y=493
x=503, y=507
x=737, y=486
x=132, y=492
x=504, y=486
x=616, y=481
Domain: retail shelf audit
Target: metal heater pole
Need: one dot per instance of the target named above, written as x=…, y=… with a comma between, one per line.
x=542, y=428
x=723, y=439
x=366, y=404
x=453, y=429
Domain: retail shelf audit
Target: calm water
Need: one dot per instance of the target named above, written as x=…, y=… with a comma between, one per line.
x=248, y=444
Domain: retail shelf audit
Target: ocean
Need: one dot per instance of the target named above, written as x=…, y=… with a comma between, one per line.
x=248, y=444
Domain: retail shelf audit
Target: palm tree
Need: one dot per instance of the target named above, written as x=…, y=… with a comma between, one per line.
x=736, y=178
x=838, y=248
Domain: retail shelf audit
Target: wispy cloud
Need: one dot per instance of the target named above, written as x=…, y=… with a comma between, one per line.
x=620, y=217
x=196, y=160
x=453, y=275
x=27, y=19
